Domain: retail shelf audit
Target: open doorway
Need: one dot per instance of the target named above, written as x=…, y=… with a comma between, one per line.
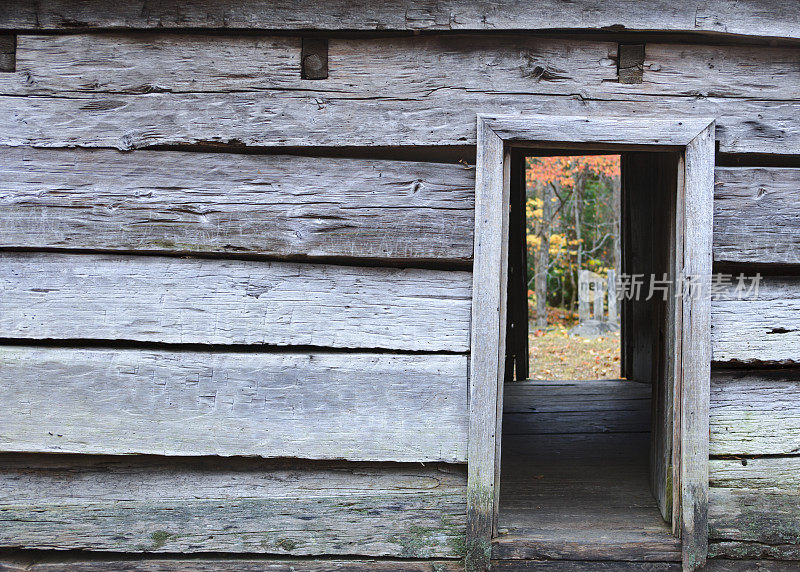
x=586, y=425
x=682, y=150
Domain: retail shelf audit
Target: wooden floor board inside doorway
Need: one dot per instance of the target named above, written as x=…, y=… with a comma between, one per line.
x=579, y=490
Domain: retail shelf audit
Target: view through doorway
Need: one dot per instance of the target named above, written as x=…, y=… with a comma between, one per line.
x=583, y=407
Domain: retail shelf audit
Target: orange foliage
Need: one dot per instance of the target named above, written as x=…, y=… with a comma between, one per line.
x=564, y=169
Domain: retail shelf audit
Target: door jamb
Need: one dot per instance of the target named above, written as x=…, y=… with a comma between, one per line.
x=694, y=139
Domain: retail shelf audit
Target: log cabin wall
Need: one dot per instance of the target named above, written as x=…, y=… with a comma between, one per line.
x=235, y=302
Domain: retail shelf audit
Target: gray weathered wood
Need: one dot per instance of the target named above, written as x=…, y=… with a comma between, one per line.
x=143, y=63
x=755, y=215
x=675, y=325
x=592, y=545
x=760, y=473
x=581, y=495
x=584, y=566
x=762, y=556
x=765, y=516
x=318, y=406
x=562, y=407
x=759, y=327
x=751, y=17
x=234, y=565
x=278, y=205
x=235, y=505
x=697, y=202
x=487, y=342
x=696, y=137
x=175, y=300
x=755, y=412
x=599, y=130
x=295, y=118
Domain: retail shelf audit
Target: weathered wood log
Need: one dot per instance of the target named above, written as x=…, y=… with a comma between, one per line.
x=760, y=556
x=765, y=516
x=219, y=202
x=762, y=326
x=232, y=505
x=413, y=66
x=175, y=300
x=295, y=118
x=277, y=205
x=585, y=566
x=755, y=412
x=559, y=407
x=751, y=18
x=594, y=545
x=236, y=565
x=756, y=474
x=316, y=406
x=755, y=215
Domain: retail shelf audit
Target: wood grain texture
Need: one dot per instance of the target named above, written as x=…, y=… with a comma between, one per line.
x=760, y=473
x=600, y=545
x=413, y=66
x=305, y=118
x=767, y=516
x=762, y=326
x=597, y=130
x=755, y=412
x=752, y=18
x=487, y=343
x=697, y=206
x=562, y=407
x=235, y=505
x=581, y=494
x=755, y=215
x=764, y=556
x=174, y=300
x=234, y=565
x=316, y=406
x=220, y=202
x=584, y=566
x=277, y=205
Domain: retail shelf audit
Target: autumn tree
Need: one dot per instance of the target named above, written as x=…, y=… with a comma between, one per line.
x=573, y=212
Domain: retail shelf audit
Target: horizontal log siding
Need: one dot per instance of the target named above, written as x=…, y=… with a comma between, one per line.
x=757, y=215
x=320, y=119
x=290, y=206
x=755, y=412
x=753, y=502
x=762, y=328
x=181, y=63
x=379, y=92
x=223, y=564
x=190, y=301
x=752, y=17
x=316, y=406
x=235, y=505
x=275, y=205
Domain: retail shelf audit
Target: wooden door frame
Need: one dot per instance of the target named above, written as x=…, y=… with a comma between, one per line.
x=693, y=138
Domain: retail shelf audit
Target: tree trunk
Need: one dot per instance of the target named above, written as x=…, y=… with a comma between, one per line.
x=617, y=200
x=577, y=204
x=543, y=258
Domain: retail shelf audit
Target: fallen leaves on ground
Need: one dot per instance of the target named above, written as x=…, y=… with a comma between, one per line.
x=554, y=354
